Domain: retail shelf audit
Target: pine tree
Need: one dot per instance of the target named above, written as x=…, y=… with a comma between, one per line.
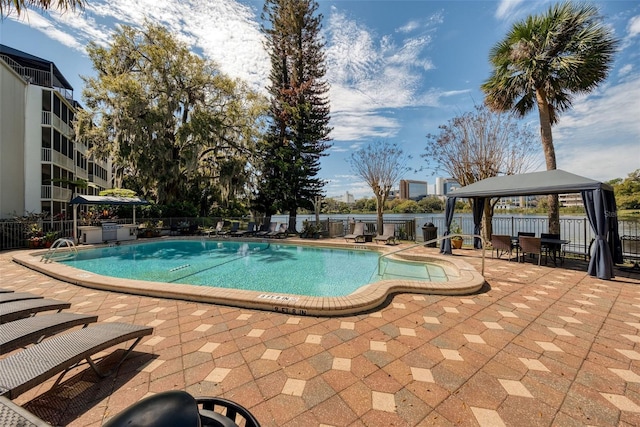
x=298, y=132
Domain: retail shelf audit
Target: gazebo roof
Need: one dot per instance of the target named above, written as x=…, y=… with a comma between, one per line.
x=529, y=184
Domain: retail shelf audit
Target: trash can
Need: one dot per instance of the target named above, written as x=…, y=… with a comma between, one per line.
x=430, y=232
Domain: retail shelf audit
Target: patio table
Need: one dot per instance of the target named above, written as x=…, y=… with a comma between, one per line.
x=547, y=242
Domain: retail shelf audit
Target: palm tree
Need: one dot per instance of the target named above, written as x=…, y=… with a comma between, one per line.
x=7, y=5
x=544, y=61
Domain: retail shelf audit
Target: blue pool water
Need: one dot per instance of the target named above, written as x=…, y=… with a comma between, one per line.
x=258, y=266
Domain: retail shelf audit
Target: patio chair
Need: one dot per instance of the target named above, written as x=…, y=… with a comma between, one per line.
x=520, y=234
x=30, y=330
x=17, y=296
x=20, y=309
x=179, y=408
x=358, y=235
x=530, y=245
x=57, y=355
x=553, y=249
x=388, y=234
x=501, y=243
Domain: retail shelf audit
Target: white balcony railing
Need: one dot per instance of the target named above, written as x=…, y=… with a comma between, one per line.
x=46, y=117
x=82, y=174
x=51, y=192
x=63, y=161
x=45, y=154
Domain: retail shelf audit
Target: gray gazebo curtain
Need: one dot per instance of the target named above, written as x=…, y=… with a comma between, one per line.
x=601, y=212
x=445, y=245
x=478, y=210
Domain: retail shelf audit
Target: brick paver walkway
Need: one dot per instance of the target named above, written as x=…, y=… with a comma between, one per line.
x=539, y=346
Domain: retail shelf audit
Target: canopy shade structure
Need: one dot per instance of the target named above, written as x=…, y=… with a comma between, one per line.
x=102, y=200
x=598, y=199
x=107, y=200
x=529, y=184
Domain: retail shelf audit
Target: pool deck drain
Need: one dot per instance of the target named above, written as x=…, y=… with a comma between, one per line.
x=462, y=279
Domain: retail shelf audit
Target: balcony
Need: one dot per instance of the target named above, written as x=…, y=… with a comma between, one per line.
x=82, y=174
x=52, y=156
x=98, y=181
x=50, y=192
x=52, y=120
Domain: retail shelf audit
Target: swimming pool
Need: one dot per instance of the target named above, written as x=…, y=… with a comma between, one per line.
x=462, y=278
x=257, y=266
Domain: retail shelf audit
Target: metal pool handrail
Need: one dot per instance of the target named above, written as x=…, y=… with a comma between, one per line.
x=68, y=244
x=437, y=239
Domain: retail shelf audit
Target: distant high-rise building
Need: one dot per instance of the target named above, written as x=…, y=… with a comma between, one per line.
x=445, y=185
x=347, y=198
x=40, y=158
x=413, y=190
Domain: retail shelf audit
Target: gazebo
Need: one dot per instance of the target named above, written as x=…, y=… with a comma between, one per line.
x=598, y=198
x=102, y=200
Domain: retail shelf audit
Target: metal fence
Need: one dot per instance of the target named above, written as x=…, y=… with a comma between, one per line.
x=16, y=234
x=577, y=230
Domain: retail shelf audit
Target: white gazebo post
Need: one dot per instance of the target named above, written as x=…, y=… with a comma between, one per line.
x=75, y=224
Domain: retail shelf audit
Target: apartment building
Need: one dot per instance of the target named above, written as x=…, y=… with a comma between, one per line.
x=41, y=161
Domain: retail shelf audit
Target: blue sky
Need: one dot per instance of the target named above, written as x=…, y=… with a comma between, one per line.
x=397, y=69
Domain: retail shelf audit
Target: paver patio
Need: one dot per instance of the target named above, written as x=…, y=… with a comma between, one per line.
x=539, y=346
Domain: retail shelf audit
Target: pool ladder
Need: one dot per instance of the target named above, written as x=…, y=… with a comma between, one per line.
x=59, y=243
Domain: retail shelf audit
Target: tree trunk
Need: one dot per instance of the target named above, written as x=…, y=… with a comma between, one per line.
x=292, y=220
x=487, y=217
x=379, y=212
x=544, y=113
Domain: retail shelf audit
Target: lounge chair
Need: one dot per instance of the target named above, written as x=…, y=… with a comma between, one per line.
x=272, y=228
x=388, y=234
x=215, y=231
x=358, y=235
x=14, y=415
x=250, y=230
x=34, y=365
x=20, y=309
x=233, y=229
x=17, y=296
x=179, y=408
x=530, y=245
x=280, y=232
x=501, y=243
x=34, y=329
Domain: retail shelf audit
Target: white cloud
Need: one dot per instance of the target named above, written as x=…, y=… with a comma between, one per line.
x=634, y=26
x=598, y=137
x=506, y=8
x=224, y=30
x=625, y=70
x=370, y=74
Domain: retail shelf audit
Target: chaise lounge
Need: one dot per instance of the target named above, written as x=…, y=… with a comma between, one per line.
x=34, y=329
x=57, y=355
x=20, y=309
x=358, y=235
x=388, y=234
x=17, y=296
